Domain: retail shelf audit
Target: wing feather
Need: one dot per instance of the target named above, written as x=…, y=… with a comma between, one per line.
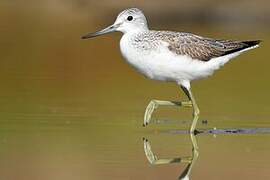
x=200, y=48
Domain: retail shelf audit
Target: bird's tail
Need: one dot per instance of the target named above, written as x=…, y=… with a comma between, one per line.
x=251, y=43
x=242, y=46
x=246, y=45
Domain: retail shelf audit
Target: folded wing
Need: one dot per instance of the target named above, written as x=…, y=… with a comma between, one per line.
x=203, y=49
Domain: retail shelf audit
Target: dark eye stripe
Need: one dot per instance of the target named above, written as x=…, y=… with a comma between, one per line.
x=129, y=18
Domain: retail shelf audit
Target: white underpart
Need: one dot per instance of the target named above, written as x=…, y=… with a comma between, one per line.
x=216, y=63
x=162, y=64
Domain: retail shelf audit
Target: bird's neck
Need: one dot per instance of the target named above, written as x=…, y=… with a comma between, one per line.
x=134, y=28
x=136, y=31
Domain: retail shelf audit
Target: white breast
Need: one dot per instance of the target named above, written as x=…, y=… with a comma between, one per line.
x=162, y=64
x=150, y=63
x=135, y=57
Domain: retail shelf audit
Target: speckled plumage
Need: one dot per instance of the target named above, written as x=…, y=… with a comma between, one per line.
x=195, y=46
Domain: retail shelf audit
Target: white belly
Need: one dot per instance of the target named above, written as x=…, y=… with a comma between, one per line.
x=161, y=64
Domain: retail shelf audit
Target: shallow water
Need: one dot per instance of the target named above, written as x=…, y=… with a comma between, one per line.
x=72, y=109
x=72, y=146
x=78, y=139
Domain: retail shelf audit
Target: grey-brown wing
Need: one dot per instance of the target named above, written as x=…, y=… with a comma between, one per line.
x=201, y=48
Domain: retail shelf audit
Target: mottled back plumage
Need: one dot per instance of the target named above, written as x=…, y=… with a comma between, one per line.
x=191, y=45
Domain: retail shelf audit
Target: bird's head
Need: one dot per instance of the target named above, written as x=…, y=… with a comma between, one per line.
x=129, y=20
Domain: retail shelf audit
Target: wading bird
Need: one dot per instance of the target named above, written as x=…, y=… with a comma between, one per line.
x=171, y=56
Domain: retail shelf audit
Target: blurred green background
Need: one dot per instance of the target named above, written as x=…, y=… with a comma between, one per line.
x=73, y=109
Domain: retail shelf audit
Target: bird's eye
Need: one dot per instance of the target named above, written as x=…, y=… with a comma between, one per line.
x=129, y=18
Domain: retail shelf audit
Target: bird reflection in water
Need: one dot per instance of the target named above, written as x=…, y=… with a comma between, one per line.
x=190, y=160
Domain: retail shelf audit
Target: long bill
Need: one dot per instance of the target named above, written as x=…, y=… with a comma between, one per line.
x=109, y=29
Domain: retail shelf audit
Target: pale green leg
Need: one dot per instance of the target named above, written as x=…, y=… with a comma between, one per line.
x=154, y=105
x=154, y=160
x=196, y=110
x=195, y=154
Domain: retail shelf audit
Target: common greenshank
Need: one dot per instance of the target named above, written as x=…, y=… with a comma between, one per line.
x=171, y=56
